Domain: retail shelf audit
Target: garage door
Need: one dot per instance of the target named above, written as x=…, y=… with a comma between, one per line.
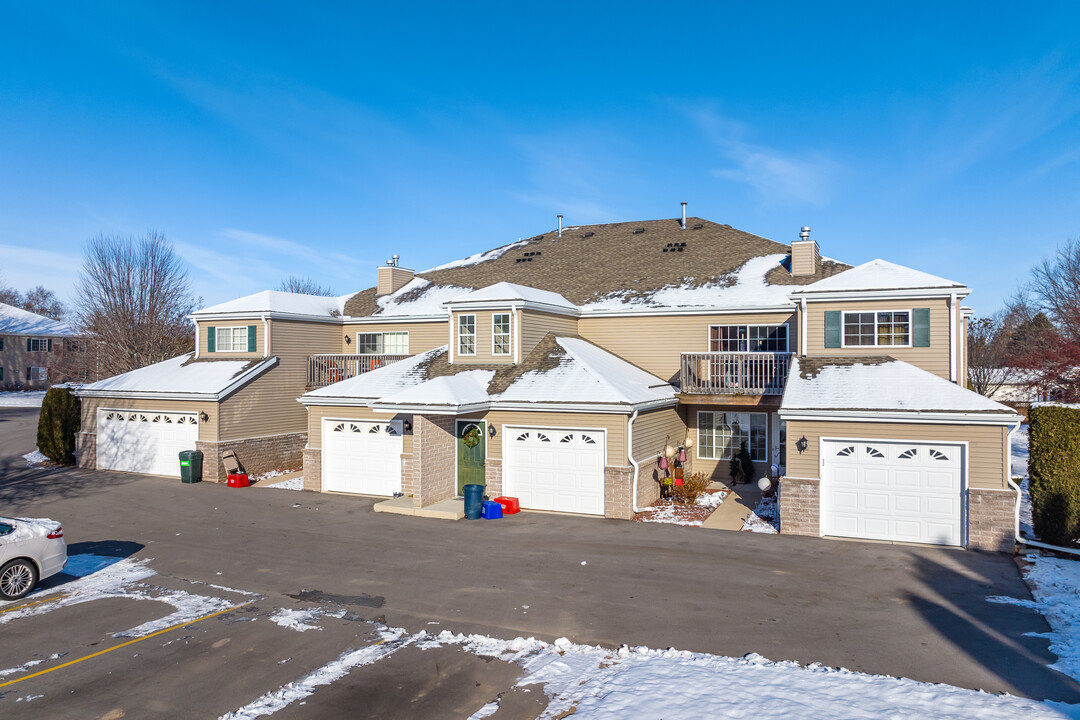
x=362, y=457
x=555, y=469
x=144, y=441
x=901, y=491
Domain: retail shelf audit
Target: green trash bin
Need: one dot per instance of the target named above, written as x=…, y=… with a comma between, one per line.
x=191, y=466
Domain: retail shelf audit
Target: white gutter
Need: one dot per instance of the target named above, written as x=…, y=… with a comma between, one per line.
x=952, y=337
x=633, y=462
x=939, y=418
x=266, y=336
x=1016, y=514
x=453, y=335
x=196, y=324
x=877, y=294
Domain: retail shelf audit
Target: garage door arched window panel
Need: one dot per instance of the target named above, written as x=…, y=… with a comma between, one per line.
x=908, y=454
x=522, y=437
x=339, y=428
x=567, y=438
x=874, y=452
x=937, y=455
x=846, y=452
x=588, y=440
x=144, y=443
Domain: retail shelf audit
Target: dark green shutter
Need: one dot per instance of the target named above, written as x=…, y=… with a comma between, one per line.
x=27, y=344
x=49, y=345
x=920, y=327
x=832, y=328
x=210, y=339
x=251, y=338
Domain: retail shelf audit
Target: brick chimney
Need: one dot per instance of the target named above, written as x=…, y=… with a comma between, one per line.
x=805, y=257
x=392, y=278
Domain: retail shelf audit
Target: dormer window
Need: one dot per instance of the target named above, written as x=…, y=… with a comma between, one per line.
x=500, y=334
x=466, y=335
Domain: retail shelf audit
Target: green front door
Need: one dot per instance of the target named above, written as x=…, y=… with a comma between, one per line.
x=470, y=460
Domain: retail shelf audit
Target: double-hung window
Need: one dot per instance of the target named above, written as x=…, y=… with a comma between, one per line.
x=721, y=435
x=466, y=335
x=231, y=339
x=888, y=328
x=748, y=338
x=500, y=334
x=386, y=343
x=36, y=374
x=38, y=344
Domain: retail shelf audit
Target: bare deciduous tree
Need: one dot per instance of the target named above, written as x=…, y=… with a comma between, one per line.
x=132, y=300
x=43, y=302
x=1055, y=289
x=305, y=286
x=9, y=295
x=988, y=357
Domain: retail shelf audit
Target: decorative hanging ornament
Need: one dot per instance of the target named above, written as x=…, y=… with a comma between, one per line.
x=669, y=451
x=689, y=442
x=471, y=437
x=682, y=456
x=663, y=463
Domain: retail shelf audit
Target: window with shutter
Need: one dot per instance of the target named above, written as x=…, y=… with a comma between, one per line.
x=832, y=328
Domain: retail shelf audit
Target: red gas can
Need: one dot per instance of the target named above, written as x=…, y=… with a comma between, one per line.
x=238, y=480
x=509, y=504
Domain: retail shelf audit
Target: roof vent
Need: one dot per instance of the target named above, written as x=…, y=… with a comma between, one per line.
x=683, y=223
x=560, y=226
x=588, y=234
x=699, y=226
x=638, y=231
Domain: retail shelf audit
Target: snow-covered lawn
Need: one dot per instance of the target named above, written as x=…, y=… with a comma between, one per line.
x=32, y=398
x=765, y=518
x=34, y=458
x=1019, y=468
x=671, y=513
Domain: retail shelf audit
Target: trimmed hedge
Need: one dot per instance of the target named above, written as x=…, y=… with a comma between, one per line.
x=58, y=424
x=1054, y=467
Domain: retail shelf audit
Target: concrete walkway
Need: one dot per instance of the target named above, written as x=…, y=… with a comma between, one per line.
x=731, y=514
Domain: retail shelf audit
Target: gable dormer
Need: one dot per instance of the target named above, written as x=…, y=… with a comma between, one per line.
x=500, y=324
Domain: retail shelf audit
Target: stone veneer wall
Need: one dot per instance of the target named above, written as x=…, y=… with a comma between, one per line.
x=429, y=475
x=86, y=450
x=313, y=469
x=800, y=506
x=493, y=477
x=991, y=520
x=256, y=455
x=618, y=496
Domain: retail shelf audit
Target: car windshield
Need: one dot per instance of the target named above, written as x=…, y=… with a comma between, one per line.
x=5, y=528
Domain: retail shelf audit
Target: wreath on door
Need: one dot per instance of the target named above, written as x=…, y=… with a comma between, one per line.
x=471, y=438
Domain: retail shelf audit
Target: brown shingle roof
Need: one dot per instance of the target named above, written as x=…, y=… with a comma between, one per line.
x=591, y=262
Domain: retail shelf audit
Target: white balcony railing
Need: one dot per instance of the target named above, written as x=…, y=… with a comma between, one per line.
x=734, y=373
x=328, y=369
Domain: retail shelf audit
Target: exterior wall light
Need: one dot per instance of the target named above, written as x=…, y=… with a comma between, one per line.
x=801, y=444
x=491, y=429
x=204, y=417
x=406, y=425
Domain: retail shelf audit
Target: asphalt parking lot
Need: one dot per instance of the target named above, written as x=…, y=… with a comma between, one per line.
x=258, y=554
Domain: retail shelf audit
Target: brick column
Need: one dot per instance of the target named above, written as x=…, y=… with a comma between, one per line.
x=618, y=502
x=313, y=469
x=800, y=506
x=434, y=463
x=86, y=450
x=493, y=477
x=991, y=520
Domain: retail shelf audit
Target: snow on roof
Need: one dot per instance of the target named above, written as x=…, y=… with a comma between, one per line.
x=877, y=384
x=465, y=388
x=747, y=289
x=878, y=275
x=179, y=376
x=275, y=301
x=479, y=257
x=509, y=291
x=16, y=321
x=418, y=297
x=587, y=374
x=383, y=381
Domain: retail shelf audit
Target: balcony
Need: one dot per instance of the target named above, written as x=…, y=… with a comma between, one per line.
x=734, y=373
x=326, y=370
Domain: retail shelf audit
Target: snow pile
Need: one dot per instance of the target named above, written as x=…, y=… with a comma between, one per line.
x=26, y=666
x=301, y=620
x=34, y=458
x=710, y=500
x=1019, y=465
x=765, y=518
x=465, y=388
x=296, y=483
x=33, y=398
x=1055, y=584
x=668, y=514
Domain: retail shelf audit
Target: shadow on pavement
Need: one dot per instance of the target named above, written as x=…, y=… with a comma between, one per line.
x=20, y=484
x=86, y=558
x=992, y=634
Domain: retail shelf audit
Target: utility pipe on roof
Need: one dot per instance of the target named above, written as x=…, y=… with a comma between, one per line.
x=1016, y=514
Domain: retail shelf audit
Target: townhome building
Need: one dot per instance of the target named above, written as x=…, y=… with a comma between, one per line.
x=557, y=369
x=36, y=351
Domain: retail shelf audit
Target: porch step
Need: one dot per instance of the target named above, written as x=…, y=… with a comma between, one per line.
x=453, y=509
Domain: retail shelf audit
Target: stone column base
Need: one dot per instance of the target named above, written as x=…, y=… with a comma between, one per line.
x=256, y=455
x=991, y=520
x=86, y=450
x=800, y=506
x=313, y=469
x=618, y=492
x=493, y=477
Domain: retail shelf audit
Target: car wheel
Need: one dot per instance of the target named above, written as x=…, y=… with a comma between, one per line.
x=17, y=578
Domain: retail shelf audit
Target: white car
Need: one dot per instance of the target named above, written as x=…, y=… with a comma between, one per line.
x=31, y=549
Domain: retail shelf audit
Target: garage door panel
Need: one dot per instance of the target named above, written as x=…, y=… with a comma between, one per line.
x=362, y=457
x=902, y=491
x=565, y=475
x=145, y=441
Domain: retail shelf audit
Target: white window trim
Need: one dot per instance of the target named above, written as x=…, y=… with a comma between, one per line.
x=509, y=334
x=41, y=376
x=787, y=336
x=41, y=343
x=473, y=334
x=716, y=412
x=232, y=338
x=910, y=333
x=382, y=341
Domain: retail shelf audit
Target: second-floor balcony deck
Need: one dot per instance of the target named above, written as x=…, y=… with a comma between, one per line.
x=327, y=369
x=734, y=373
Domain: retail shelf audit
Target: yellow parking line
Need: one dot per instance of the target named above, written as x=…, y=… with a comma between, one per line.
x=26, y=605
x=129, y=642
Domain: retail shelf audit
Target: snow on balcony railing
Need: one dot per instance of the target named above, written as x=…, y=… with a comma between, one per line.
x=327, y=369
x=734, y=373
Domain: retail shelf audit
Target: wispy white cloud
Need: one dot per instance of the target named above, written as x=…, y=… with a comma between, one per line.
x=23, y=268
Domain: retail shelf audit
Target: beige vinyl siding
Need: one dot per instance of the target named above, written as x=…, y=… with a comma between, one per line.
x=267, y=405
x=615, y=425
x=535, y=325
x=933, y=359
x=655, y=430
x=483, y=339
x=316, y=414
x=422, y=336
x=260, y=336
x=804, y=258
x=656, y=342
x=207, y=430
x=15, y=358
x=962, y=348
x=986, y=445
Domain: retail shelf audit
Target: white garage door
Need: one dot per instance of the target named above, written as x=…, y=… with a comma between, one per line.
x=144, y=441
x=362, y=456
x=901, y=491
x=555, y=469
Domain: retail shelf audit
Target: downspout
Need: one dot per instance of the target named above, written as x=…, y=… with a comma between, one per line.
x=196, y=324
x=802, y=327
x=515, y=334
x=952, y=337
x=453, y=334
x=266, y=337
x=1016, y=514
x=633, y=462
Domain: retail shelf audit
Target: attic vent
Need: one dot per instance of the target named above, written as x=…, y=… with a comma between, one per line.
x=588, y=234
x=523, y=259
x=699, y=226
x=638, y=231
x=674, y=247
x=531, y=254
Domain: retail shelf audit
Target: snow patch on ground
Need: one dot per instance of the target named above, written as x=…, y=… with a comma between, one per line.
x=22, y=399
x=26, y=666
x=710, y=500
x=296, y=483
x=765, y=518
x=34, y=458
x=668, y=514
x=1019, y=468
x=301, y=620
x=1055, y=585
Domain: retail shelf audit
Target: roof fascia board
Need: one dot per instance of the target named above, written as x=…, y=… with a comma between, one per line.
x=389, y=319
x=260, y=314
x=709, y=310
x=837, y=295
x=940, y=418
x=229, y=389
x=461, y=305
x=619, y=409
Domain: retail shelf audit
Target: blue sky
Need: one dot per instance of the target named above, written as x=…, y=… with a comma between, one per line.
x=270, y=138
